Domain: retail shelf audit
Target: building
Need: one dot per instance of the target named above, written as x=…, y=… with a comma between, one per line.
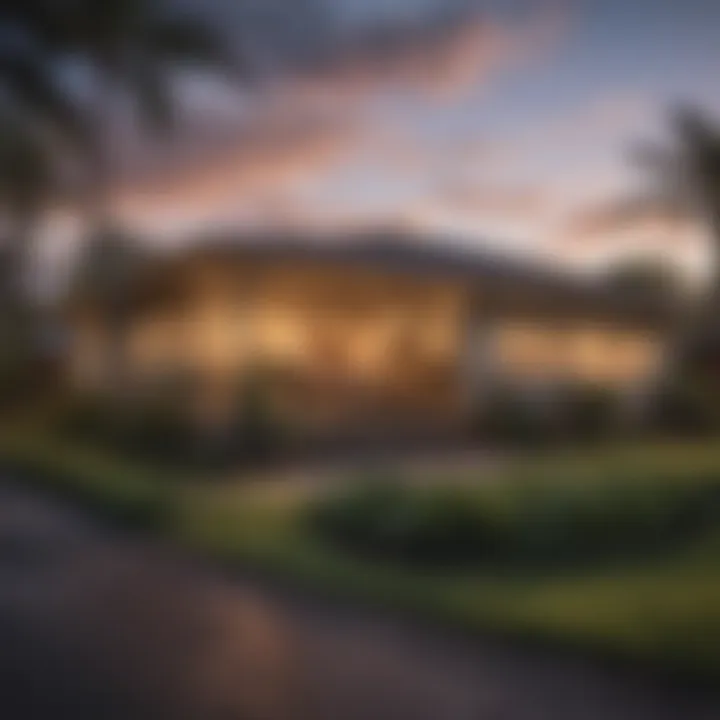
x=372, y=334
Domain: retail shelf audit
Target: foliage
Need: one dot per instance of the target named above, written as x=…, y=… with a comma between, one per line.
x=547, y=525
x=108, y=269
x=55, y=138
x=118, y=492
x=158, y=430
x=157, y=424
x=645, y=280
x=257, y=431
x=155, y=427
x=18, y=376
x=685, y=172
x=591, y=412
x=573, y=413
x=386, y=521
x=686, y=406
x=508, y=416
x=130, y=45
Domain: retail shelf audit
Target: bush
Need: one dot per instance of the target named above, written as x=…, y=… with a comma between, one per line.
x=24, y=378
x=529, y=525
x=157, y=431
x=423, y=527
x=686, y=407
x=158, y=424
x=256, y=431
x=82, y=415
x=590, y=412
x=580, y=523
x=121, y=493
x=153, y=428
x=578, y=412
x=508, y=415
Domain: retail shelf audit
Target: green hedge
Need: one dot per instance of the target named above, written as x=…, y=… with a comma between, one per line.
x=531, y=525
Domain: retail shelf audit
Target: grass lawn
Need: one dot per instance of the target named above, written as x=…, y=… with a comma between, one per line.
x=663, y=609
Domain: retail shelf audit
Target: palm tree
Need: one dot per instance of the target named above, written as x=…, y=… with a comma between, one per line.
x=39, y=125
x=685, y=176
x=29, y=179
x=646, y=280
x=135, y=49
x=106, y=276
x=685, y=183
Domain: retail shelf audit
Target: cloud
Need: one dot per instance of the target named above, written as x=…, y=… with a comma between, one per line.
x=437, y=58
x=268, y=156
x=318, y=110
x=618, y=228
x=613, y=114
x=527, y=202
x=625, y=215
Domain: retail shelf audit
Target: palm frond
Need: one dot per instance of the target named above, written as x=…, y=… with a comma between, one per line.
x=189, y=41
x=153, y=97
x=27, y=173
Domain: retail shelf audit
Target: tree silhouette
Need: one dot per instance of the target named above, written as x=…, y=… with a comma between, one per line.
x=646, y=280
x=685, y=181
x=135, y=49
x=685, y=173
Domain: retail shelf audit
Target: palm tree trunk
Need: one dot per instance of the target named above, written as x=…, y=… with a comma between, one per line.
x=17, y=299
x=18, y=327
x=101, y=221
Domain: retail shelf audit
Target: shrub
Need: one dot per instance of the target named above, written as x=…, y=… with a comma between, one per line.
x=154, y=427
x=388, y=521
x=577, y=412
x=158, y=424
x=581, y=523
x=157, y=431
x=590, y=412
x=256, y=430
x=544, y=525
x=83, y=415
x=508, y=415
x=687, y=407
x=24, y=377
x=121, y=493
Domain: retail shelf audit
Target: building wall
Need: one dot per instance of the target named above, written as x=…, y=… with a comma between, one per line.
x=584, y=352
x=348, y=347
x=343, y=346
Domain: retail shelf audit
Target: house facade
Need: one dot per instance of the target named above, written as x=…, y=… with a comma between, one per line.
x=366, y=335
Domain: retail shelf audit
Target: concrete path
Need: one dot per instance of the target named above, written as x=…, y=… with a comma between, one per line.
x=97, y=625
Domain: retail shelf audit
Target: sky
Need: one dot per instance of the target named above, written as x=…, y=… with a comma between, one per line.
x=495, y=124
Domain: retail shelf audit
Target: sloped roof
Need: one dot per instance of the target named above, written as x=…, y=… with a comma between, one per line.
x=432, y=257
x=407, y=254
x=384, y=250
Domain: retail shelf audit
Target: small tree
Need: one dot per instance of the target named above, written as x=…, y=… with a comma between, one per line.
x=107, y=277
x=646, y=280
x=684, y=179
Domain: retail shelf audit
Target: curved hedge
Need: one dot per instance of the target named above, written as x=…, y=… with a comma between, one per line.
x=563, y=523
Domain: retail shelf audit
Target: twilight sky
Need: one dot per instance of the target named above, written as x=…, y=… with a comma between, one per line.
x=501, y=123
